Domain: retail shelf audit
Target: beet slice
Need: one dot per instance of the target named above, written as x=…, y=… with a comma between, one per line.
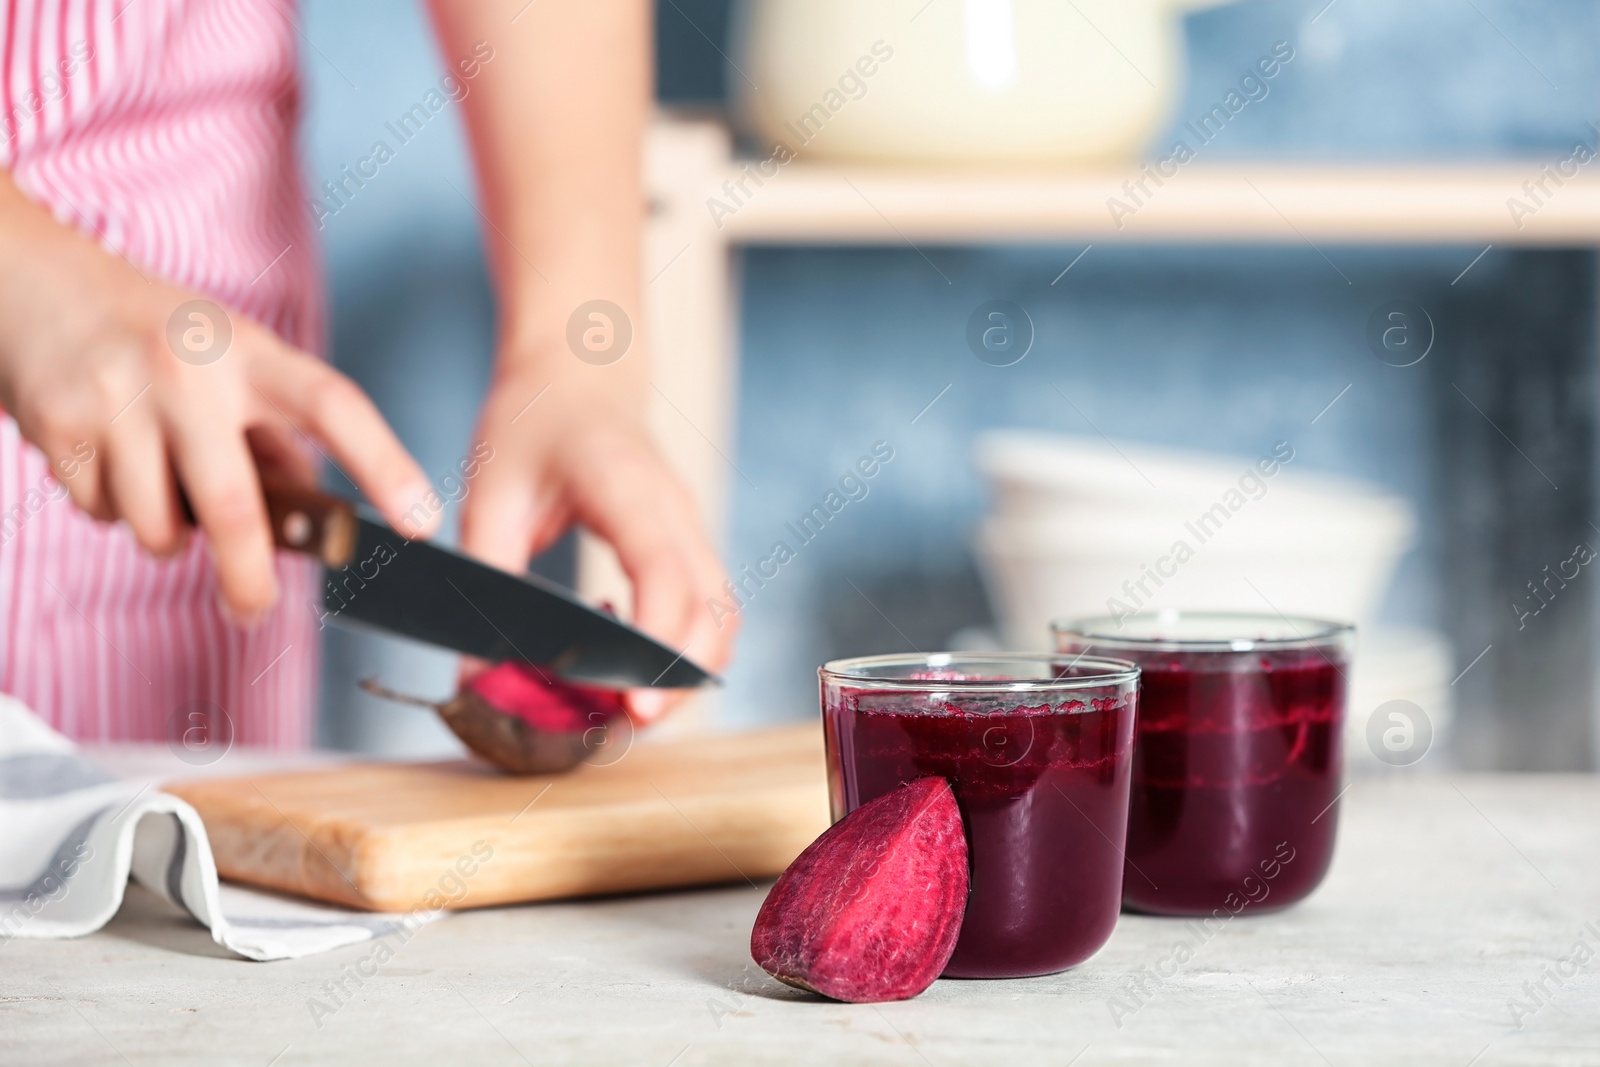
x=871, y=910
x=525, y=720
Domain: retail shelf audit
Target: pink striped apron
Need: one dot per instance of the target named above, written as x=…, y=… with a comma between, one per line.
x=166, y=128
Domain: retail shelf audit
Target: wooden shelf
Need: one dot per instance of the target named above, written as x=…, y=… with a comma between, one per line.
x=693, y=300
x=810, y=204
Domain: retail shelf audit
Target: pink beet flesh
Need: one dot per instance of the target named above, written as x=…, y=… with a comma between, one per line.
x=871, y=910
x=544, y=701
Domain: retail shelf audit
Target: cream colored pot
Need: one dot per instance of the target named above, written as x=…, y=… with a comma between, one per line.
x=975, y=81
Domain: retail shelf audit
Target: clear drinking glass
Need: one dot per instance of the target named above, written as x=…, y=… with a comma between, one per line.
x=1036, y=749
x=1237, y=759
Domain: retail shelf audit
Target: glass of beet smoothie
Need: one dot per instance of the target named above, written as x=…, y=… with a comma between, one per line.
x=1037, y=750
x=1236, y=767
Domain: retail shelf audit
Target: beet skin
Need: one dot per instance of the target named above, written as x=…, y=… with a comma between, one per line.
x=872, y=909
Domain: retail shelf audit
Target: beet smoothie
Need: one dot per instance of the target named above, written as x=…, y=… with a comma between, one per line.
x=1237, y=761
x=1038, y=756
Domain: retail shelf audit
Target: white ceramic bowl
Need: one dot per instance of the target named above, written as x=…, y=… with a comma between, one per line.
x=976, y=81
x=1037, y=570
x=1032, y=473
x=1082, y=528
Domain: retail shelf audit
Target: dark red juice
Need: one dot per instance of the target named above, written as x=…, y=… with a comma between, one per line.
x=1043, y=792
x=1236, y=770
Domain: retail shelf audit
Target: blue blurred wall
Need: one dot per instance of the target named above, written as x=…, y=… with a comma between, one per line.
x=1219, y=348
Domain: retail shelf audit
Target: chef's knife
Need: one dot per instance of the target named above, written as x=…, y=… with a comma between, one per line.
x=375, y=578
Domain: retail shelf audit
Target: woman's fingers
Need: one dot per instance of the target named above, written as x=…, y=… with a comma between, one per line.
x=496, y=528
x=708, y=635
x=663, y=592
x=642, y=511
x=283, y=451
x=497, y=519
x=331, y=408
x=711, y=631
x=625, y=508
x=220, y=478
x=138, y=483
x=87, y=486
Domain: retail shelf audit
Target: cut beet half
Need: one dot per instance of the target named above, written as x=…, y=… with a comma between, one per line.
x=872, y=909
x=544, y=701
x=525, y=720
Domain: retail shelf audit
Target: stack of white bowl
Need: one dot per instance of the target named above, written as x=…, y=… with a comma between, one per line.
x=1082, y=527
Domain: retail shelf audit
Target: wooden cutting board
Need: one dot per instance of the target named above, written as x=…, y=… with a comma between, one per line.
x=397, y=836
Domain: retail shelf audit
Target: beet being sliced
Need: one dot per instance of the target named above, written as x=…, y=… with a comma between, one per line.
x=525, y=720
x=871, y=910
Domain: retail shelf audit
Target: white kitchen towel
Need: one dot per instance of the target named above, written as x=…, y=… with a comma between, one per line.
x=70, y=836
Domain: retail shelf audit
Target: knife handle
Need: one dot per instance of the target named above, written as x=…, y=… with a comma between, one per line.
x=303, y=520
x=310, y=522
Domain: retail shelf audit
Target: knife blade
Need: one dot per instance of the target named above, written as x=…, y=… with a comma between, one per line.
x=373, y=578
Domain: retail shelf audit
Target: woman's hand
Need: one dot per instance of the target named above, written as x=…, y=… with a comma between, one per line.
x=133, y=388
x=584, y=459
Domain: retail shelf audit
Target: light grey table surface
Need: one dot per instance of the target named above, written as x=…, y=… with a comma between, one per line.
x=1447, y=896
